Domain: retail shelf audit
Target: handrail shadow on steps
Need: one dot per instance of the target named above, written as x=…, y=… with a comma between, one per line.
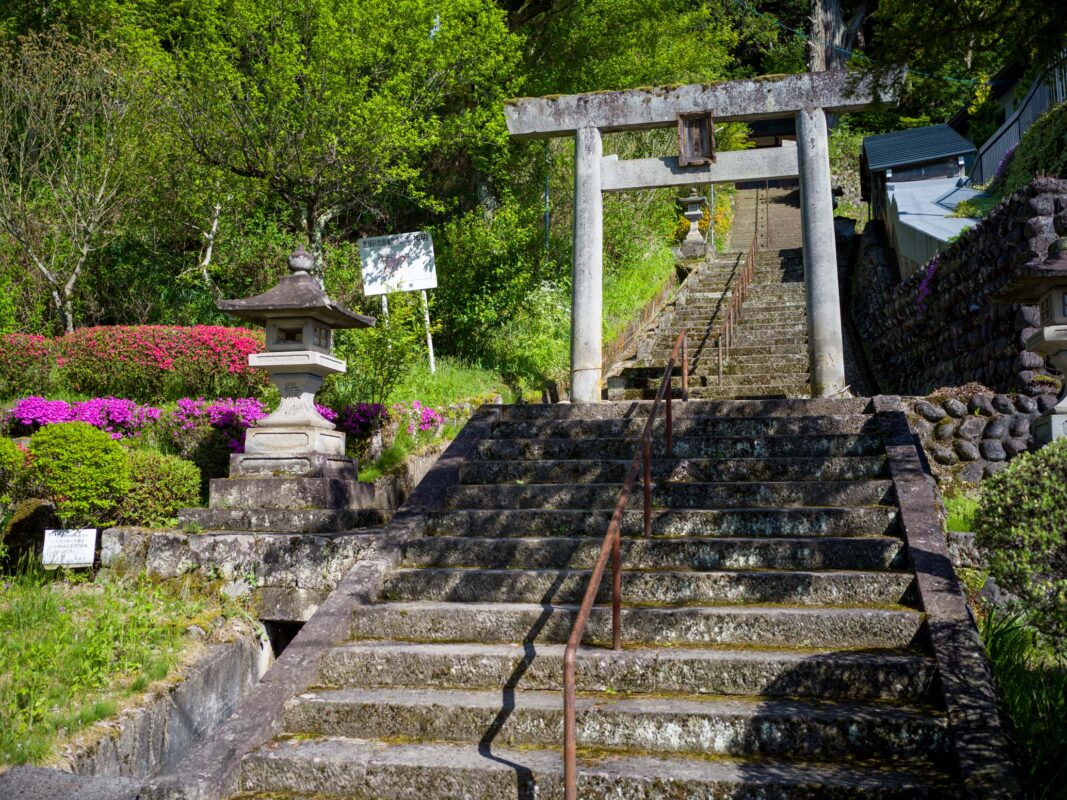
x=642, y=460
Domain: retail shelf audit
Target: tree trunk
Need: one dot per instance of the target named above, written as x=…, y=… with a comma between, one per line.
x=316, y=228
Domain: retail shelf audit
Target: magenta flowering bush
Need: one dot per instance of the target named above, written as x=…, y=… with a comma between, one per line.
x=193, y=419
x=926, y=285
x=358, y=420
x=115, y=415
x=419, y=418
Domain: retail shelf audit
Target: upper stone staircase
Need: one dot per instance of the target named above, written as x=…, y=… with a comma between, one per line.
x=772, y=643
x=769, y=357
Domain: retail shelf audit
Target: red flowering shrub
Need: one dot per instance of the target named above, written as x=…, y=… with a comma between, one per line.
x=153, y=363
x=25, y=364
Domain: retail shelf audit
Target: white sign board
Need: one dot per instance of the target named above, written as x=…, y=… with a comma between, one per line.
x=399, y=263
x=71, y=547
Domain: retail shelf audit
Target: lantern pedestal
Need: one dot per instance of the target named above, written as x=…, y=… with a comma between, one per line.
x=1052, y=342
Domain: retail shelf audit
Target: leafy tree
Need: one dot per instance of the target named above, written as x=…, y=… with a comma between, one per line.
x=587, y=45
x=335, y=105
x=75, y=135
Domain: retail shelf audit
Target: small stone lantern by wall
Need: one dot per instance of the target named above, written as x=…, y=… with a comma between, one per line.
x=299, y=319
x=1045, y=283
x=694, y=245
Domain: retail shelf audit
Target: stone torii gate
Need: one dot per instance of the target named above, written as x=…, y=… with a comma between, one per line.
x=808, y=96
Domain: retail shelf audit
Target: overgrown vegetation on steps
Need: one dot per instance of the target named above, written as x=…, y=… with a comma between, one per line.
x=75, y=649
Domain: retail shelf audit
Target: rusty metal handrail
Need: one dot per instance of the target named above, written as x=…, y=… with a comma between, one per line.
x=725, y=338
x=611, y=548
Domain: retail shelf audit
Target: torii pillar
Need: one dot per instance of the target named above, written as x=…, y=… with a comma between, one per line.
x=586, y=116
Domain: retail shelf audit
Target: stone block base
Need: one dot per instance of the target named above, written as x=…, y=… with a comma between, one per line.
x=291, y=493
x=294, y=464
x=1048, y=428
x=294, y=439
x=263, y=520
x=694, y=249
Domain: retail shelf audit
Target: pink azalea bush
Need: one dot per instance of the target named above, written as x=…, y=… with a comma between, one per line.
x=26, y=363
x=159, y=362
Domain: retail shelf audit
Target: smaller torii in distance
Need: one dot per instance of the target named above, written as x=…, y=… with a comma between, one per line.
x=694, y=109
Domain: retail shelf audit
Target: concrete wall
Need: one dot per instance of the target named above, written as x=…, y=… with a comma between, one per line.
x=158, y=734
x=940, y=327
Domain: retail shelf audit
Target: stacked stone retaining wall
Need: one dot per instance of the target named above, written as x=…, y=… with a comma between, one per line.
x=969, y=436
x=941, y=327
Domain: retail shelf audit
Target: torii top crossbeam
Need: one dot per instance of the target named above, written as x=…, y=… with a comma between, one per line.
x=749, y=99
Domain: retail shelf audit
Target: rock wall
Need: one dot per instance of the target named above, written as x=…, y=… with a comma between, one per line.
x=940, y=327
x=970, y=435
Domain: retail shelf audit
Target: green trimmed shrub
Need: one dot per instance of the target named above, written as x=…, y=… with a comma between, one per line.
x=12, y=467
x=1022, y=525
x=81, y=469
x=159, y=485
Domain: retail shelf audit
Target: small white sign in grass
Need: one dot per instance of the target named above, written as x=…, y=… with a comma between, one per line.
x=69, y=547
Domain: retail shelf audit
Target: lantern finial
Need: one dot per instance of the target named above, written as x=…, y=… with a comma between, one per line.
x=300, y=260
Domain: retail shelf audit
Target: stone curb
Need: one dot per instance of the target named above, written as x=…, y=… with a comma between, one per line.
x=982, y=753
x=212, y=770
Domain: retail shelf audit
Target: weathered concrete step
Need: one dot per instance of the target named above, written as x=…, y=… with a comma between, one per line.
x=749, y=392
x=658, y=587
x=721, y=522
x=769, y=728
x=791, y=361
x=842, y=468
x=334, y=767
x=692, y=553
x=282, y=520
x=688, y=425
x=870, y=677
x=710, y=408
x=716, y=392
x=707, y=376
x=790, y=343
x=686, y=447
x=290, y=493
x=675, y=496
x=695, y=626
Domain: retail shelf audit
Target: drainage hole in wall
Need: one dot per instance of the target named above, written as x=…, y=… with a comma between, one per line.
x=281, y=634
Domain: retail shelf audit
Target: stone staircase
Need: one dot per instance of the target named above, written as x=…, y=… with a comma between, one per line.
x=770, y=353
x=772, y=644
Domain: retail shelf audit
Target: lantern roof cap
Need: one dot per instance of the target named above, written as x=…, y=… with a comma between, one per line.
x=1035, y=278
x=299, y=294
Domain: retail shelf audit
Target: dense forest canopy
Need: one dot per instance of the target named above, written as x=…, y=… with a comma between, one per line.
x=251, y=125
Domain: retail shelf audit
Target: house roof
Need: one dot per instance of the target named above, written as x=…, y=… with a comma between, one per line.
x=913, y=146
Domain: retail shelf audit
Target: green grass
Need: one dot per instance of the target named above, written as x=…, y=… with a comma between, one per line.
x=1032, y=686
x=454, y=382
x=73, y=650
x=631, y=286
x=961, y=509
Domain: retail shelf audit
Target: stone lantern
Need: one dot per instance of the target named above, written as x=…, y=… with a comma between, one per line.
x=694, y=245
x=1045, y=284
x=295, y=440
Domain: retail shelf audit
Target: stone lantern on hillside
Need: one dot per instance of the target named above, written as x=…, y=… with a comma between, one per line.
x=299, y=319
x=694, y=245
x=1045, y=284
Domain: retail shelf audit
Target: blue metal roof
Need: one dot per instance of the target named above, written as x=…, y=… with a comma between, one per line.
x=913, y=146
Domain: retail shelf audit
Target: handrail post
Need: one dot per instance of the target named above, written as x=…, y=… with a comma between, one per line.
x=570, y=730
x=616, y=590
x=646, y=456
x=670, y=423
x=720, y=359
x=685, y=366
